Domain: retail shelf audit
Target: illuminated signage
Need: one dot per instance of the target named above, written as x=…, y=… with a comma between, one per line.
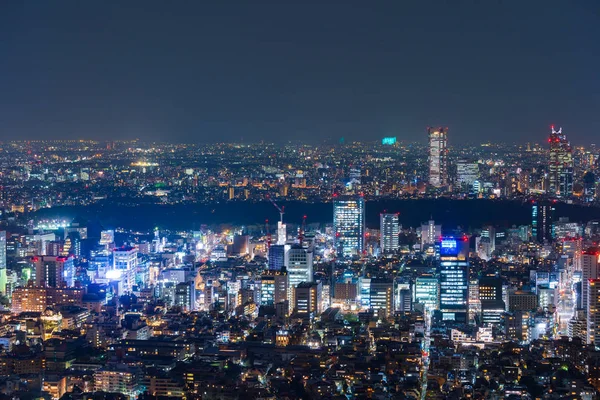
x=448, y=247
x=388, y=141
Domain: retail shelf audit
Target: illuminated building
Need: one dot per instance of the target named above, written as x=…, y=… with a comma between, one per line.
x=593, y=312
x=118, y=379
x=364, y=285
x=3, y=277
x=124, y=266
x=54, y=271
x=382, y=297
x=107, y=238
x=281, y=233
x=276, y=256
x=542, y=221
x=299, y=263
x=185, y=296
x=349, y=226
x=427, y=292
x=467, y=172
x=308, y=298
x=389, y=233
x=274, y=287
x=430, y=234
x=490, y=297
x=438, y=156
x=36, y=298
x=560, y=166
x=454, y=278
x=590, y=261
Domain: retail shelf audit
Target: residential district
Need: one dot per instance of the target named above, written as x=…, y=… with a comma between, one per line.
x=336, y=310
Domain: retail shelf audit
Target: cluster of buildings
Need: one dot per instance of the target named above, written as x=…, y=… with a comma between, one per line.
x=335, y=310
x=36, y=175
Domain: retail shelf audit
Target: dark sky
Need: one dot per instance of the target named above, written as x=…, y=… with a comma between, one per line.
x=199, y=71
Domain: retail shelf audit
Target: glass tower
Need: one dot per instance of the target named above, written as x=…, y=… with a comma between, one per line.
x=349, y=226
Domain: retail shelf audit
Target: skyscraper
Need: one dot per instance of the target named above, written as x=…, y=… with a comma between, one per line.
x=125, y=266
x=542, y=221
x=389, y=232
x=3, y=279
x=593, y=312
x=438, y=156
x=349, y=226
x=299, y=264
x=52, y=271
x=454, y=278
x=560, y=176
x=590, y=270
x=430, y=234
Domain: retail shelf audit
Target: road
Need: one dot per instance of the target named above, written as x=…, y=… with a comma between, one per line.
x=426, y=343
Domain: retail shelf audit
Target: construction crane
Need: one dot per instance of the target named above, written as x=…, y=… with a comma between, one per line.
x=280, y=209
x=302, y=231
x=268, y=235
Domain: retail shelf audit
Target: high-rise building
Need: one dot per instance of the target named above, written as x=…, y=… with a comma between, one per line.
x=349, y=226
x=3, y=278
x=308, y=298
x=490, y=296
x=560, y=167
x=299, y=264
x=185, y=295
x=542, y=221
x=382, y=296
x=430, y=234
x=274, y=287
x=438, y=156
x=125, y=264
x=454, y=278
x=590, y=270
x=276, y=257
x=53, y=271
x=467, y=172
x=427, y=292
x=281, y=233
x=389, y=233
x=593, y=312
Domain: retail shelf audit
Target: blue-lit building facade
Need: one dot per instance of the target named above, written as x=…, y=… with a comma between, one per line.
x=454, y=278
x=542, y=221
x=349, y=226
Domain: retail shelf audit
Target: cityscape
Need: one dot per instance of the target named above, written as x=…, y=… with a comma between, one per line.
x=287, y=201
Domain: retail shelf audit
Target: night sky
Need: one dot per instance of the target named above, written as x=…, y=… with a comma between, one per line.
x=201, y=71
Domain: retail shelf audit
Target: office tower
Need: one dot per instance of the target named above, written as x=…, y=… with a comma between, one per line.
x=589, y=186
x=52, y=271
x=364, y=286
x=593, y=312
x=274, y=287
x=241, y=244
x=522, y=300
x=382, y=297
x=430, y=234
x=346, y=291
x=281, y=233
x=427, y=292
x=3, y=278
x=185, y=296
x=438, y=156
x=405, y=303
x=467, y=172
x=389, y=233
x=124, y=266
x=349, y=226
x=454, y=278
x=542, y=221
x=490, y=296
x=560, y=166
x=276, y=257
x=308, y=298
x=299, y=264
x=590, y=265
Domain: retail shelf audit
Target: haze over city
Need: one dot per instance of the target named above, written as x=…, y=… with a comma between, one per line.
x=312, y=71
